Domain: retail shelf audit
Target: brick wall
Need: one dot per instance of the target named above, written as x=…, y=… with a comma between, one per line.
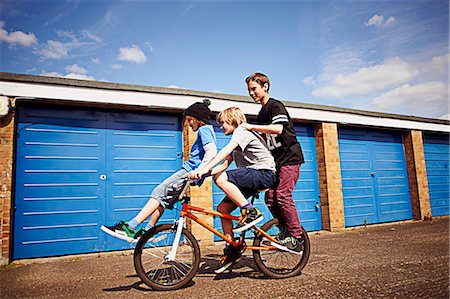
x=6, y=174
x=200, y=196
x=331, y=199
x=417, y=174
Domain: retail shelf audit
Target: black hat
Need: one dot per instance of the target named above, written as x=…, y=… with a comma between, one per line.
x=200, y=111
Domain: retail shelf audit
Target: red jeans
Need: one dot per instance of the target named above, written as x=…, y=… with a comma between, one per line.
x=279, y=199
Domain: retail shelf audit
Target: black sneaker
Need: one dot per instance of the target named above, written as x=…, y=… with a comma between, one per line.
x=290, y=243
x=139, y=234
x=249, y=218
x=230, y=256
x=120, y=230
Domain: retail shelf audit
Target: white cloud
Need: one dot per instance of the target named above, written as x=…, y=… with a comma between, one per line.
x=91, y=36
x=149, y=46
x=70, y=45
x=75, y=68
x=79, y=76
x=95, y=60
x=67, y=34
x=133, y=54
x=309, y=80
x=51, y=74
x=430, y=98
x=54, y=50
x=175, y=86
x=365, y=80
x=17, y=37
x=380, y=22
x=445, y=116
x=436, y=67
x=74, y=72
x=116, y=66
x=69, y=76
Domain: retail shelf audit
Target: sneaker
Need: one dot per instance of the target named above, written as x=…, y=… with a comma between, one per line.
x=249, y=218
x=282, y=234
x=139, y=234
x=230, y=256
x=120, y=230
x=290, y=243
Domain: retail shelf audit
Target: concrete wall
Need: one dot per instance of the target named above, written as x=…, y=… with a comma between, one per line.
x=6, y=175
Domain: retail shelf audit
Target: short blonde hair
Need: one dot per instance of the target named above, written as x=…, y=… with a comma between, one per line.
x=233, y=115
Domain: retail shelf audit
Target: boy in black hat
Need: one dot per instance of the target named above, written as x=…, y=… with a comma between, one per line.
x=197, y=116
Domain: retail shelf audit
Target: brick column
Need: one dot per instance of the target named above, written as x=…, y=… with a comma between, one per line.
x=200, y=196
x=417, y=174
x=330, y=184
x=6, y=174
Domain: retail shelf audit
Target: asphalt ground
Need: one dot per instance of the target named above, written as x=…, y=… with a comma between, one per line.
x=397, y=260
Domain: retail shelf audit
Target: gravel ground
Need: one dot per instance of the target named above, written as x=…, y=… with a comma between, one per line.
x=398, y=260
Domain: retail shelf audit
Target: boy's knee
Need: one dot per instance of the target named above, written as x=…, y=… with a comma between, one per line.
x=225, y=207
x=220, y=178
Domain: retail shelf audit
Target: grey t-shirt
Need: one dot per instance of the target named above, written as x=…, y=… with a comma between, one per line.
x=252, y=151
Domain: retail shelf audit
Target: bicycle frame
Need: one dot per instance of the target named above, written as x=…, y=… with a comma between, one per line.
x=186, y=212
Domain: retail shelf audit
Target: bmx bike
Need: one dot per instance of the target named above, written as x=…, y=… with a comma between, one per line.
x=167, y=256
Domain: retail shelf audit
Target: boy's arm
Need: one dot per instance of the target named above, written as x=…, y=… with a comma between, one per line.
x=266, y=129
x=210, y=152
x=221, y=167
x=222, y=154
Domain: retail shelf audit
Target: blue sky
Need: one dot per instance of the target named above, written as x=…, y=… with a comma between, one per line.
x=387, y=56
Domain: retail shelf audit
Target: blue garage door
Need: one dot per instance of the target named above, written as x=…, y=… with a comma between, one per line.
x=306, y=192
x=77, y=169
x=374, y=178
x=437, y=148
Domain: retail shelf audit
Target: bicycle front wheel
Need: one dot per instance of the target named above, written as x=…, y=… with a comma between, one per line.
x=278, y=263
x=151, y=258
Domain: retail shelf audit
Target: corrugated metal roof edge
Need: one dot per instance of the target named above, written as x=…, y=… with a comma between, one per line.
x=23, y=78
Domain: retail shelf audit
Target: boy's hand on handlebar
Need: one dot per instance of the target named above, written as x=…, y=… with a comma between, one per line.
x=198, y=174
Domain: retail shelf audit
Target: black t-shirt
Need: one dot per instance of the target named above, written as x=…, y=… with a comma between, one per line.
x=284, y=147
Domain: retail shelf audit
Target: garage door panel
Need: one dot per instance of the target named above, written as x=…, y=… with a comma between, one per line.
x=144, y=150
x=74, y=165
x=357, y=191
x=437, y=160
x=375, y=187
x=349, y=166
x=362, y=182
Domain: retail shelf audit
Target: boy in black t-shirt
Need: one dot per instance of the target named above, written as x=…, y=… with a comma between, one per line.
x=277, y=127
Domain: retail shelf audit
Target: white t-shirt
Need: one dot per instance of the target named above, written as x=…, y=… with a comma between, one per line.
x=252, y=151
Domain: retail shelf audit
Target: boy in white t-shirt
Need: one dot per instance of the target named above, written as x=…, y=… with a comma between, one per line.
x=255, y=171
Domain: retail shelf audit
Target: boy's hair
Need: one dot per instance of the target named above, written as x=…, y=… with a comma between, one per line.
x=233, y=115
x=200, y=122
x=259, y=78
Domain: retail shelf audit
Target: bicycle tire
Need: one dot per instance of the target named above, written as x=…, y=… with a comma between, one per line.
x=278, y=263
x=150, y=263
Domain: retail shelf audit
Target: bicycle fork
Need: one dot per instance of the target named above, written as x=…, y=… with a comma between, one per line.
x=170, y=257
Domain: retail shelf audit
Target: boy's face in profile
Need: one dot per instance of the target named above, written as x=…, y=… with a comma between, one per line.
x=256, y=91
x=193, y=124
x=226, y=127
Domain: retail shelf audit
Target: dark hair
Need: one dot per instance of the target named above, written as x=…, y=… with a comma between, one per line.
x=259, y=78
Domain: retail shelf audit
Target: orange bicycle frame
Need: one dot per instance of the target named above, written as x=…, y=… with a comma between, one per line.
x=185, y=212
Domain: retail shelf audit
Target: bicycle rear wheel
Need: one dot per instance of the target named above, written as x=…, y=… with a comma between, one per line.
x=278, y=263
x=152, y=265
